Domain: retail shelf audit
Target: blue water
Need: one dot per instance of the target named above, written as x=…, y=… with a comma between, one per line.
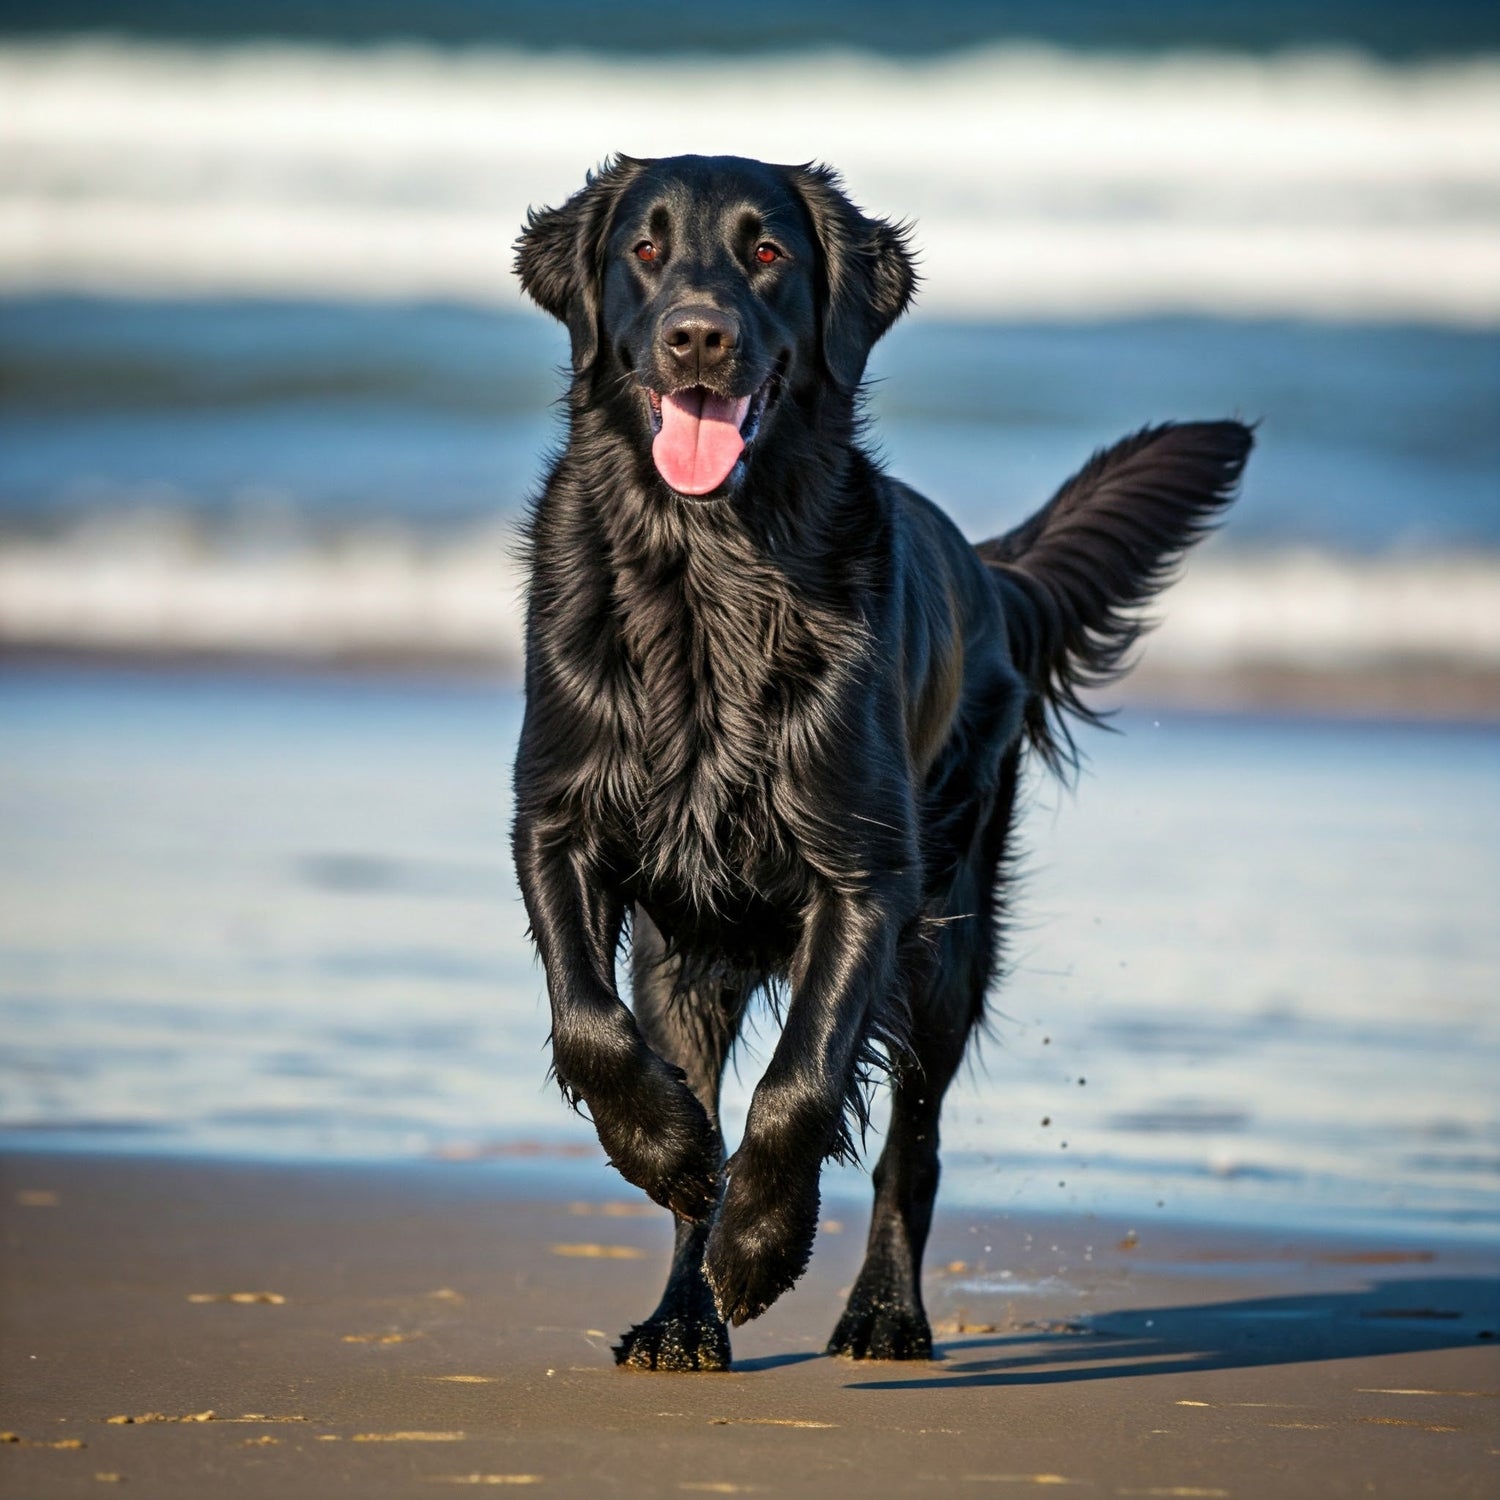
x=1391, y=28
x=1254, y=964
x=1372, y=437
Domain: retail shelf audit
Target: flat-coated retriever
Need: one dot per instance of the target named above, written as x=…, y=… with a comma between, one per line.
x=776, y=711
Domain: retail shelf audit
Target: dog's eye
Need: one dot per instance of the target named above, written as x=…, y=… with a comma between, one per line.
x=646, y=251
x=765, y=253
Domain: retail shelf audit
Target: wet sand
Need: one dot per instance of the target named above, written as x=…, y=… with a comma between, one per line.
x=189, y=1328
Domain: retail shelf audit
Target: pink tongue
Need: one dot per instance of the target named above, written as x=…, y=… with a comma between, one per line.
x=699, y=440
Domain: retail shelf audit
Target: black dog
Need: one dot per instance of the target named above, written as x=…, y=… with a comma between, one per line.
x=776, y=710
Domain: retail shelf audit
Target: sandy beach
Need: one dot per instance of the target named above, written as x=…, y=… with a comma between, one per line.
x=186, y=1328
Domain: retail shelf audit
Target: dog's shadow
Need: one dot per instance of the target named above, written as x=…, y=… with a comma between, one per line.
x=774, y=1361
x=1390, y=1317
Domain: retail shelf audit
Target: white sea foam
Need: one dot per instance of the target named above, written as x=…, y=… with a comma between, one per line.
x=148, y=584
x=153, y=583
x=1312, y=609
x=1041, y=183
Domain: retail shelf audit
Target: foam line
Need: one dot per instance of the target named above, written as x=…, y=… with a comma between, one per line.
x=1041, y=182
x=143, y=583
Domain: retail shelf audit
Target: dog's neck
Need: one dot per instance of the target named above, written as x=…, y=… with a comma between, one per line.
x=699, y=617
x=707, y=599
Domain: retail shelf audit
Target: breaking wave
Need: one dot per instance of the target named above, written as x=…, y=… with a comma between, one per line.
x=159, y=583
x=1042, y=183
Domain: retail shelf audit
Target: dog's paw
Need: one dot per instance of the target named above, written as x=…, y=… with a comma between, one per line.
x=761, y=1240
x=877, y=1330
x=685, y=1342
x=658, y=1136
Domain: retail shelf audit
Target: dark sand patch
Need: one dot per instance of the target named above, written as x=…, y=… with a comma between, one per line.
x=1312, y=1368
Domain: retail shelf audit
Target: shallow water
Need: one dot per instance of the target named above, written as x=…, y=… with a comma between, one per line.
x=1254, y=971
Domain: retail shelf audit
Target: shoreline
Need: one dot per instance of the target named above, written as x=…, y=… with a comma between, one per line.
x=556, y=1168
x=1435, y=693
x=280, y=1329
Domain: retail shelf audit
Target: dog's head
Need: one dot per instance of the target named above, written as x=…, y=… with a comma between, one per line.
x=707, y=297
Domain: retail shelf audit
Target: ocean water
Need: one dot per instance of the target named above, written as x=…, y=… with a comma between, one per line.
x=1040, y=182
x=1387, y=27
x=1254, y=966
x=1373, y=438
x=257, y=260
x=256, y=302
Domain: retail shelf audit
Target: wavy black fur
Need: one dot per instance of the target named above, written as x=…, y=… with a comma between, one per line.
x=1076, y=573
x=774, y=732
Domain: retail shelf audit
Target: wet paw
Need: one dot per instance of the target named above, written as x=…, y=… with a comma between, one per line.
x=658, y=1137
x=871, y=1330
x=675, y=1343
x=760, y=1242
x=657, y=1134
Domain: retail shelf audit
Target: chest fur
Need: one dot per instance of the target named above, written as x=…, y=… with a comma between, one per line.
x=725, y=668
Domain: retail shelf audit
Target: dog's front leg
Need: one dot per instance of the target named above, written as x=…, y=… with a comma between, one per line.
x=651, y=1125
x=763, y=1234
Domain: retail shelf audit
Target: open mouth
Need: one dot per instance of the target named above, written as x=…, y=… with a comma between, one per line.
x=699, y=437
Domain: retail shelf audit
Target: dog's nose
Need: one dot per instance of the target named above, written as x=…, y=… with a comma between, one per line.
x=698, y=338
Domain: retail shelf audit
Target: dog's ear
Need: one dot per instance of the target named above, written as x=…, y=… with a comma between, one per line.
x=560, y=251
x=869, y=274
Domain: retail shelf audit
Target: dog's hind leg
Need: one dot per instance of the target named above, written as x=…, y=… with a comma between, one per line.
x=694, y=1029
x=884, y=1317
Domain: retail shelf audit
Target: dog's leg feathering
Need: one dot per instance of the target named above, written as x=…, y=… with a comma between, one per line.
x=651, y=1125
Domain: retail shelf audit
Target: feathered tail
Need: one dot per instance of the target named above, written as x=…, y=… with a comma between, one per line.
x=1075, y=574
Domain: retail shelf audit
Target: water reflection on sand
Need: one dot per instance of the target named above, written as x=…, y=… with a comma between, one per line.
x=1253, y=972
